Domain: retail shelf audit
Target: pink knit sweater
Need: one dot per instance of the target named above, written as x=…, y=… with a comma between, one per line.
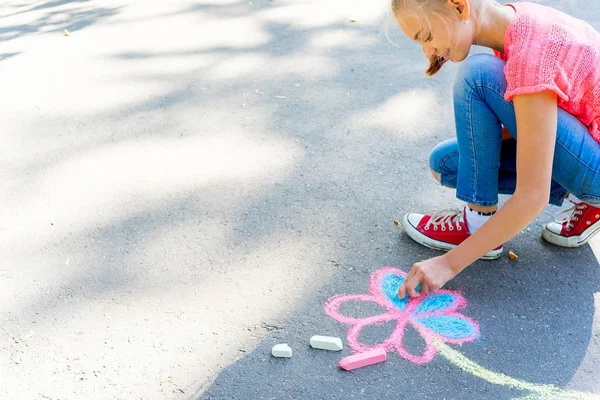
x=545, y=49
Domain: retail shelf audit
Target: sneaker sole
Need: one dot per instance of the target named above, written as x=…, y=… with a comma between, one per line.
x=434, y=244
x=573, y=241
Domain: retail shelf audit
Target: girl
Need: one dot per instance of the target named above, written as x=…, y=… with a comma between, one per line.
x=527, y=124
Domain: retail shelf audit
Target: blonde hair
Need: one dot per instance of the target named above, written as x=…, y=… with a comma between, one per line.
x=421, y=9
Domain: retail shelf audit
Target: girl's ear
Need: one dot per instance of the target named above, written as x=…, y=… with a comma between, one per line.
x=462, y=7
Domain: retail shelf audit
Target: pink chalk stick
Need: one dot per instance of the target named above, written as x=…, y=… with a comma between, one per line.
x=363, y=359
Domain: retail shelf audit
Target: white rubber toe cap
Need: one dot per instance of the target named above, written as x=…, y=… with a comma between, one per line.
x=414, y=219
x=554, y=227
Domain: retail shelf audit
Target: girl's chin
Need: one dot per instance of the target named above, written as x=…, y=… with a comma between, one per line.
x=458, y=57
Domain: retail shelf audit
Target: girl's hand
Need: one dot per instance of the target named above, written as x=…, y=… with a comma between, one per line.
x=432, y=274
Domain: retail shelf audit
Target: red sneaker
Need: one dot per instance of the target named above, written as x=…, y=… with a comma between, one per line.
x=577, y=229
x=442, y=231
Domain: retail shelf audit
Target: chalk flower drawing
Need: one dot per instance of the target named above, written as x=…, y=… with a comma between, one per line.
x=436, y=318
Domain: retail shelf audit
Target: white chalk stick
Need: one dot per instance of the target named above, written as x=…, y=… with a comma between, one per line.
x=281, y=350
x=363, y=359
x=326, y=343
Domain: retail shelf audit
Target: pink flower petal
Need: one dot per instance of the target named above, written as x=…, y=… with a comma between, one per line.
x=332, y=307
x=389, y=344
x=427, y=355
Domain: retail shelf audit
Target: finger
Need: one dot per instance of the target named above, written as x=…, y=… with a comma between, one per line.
x=425, y=288
x=412, y=292
x=402, y=290
x=411, y=285
x=413, y=281
x=433, y=287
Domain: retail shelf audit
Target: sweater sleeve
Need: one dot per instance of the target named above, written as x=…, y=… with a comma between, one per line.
x=532, y=64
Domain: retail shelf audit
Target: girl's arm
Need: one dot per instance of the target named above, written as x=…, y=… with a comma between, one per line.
x=537, y=116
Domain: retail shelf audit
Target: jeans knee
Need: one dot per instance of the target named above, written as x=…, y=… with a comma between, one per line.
x=477, y=70
x=443, y=159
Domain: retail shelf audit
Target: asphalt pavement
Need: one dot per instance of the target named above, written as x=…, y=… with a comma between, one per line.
x=187, y=183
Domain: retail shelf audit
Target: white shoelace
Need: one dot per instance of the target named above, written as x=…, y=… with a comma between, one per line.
x=445, y=218
x=574, y=211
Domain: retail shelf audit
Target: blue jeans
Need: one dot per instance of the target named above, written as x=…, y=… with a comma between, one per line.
x=480, y=165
